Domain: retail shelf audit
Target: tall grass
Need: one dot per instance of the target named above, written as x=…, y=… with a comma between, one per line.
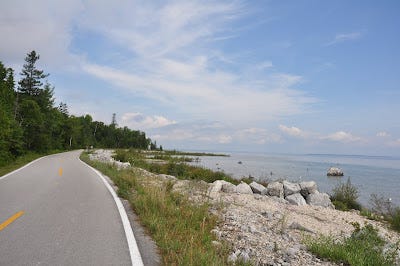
x=180, y=229
x=345, y=196
x=364, y=247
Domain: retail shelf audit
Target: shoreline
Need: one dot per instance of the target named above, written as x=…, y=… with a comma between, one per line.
x=266, y=230
x=371, y=179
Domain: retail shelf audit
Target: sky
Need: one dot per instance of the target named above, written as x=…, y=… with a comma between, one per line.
x=281, y=76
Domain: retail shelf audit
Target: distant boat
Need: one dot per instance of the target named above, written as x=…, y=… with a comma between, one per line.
x=240, y=162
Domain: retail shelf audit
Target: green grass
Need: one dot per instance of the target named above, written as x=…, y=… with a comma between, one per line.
x=21, y=161
x=180, y=229
x=363, y=248
x=171, y=166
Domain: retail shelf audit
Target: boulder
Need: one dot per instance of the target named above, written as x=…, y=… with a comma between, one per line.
x=243, y=188
x=228, y=187
x=167, y=177
x=257, y=188
x=290, y=188
x=335, y=171
x=320, y=199
x=306, y=188
x=275, y=189
x=296, y=199
x=216, y=186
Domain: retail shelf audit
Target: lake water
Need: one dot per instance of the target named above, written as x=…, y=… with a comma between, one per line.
x=370, y=174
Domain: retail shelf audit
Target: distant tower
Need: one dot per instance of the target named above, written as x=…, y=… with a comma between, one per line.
x=114, y=120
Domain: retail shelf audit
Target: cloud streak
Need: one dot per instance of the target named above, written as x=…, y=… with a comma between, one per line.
x=343, y=37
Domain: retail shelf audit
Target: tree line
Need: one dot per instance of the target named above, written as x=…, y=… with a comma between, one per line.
x=31, y=122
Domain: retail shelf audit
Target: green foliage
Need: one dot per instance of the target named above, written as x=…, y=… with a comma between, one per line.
x=345, y=196
x=395, y=219
x=170, y=165
x=363, y=247
x=29, y=121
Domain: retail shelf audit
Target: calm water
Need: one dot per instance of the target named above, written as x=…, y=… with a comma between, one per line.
x=371, y=174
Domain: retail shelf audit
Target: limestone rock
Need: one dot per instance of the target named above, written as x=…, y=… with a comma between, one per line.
x=228, y=187
x=257, y=188
x=320, y=199
x=243, y=188
x=296, y=199
x=290, y=188
x=216, y=186
x=167, y=177
x=309, y=187
x=335, y=171
x=275, y=189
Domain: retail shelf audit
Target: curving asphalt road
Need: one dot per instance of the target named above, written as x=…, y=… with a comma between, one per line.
x=58, y=211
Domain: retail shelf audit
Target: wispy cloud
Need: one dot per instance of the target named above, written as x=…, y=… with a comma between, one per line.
x=294, y=131
x=343, y=37
x=140, y=121
x=382, y=134
x=342, y=136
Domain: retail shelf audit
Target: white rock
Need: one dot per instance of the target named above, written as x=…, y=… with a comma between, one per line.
x=216, y=186
x=275, y=189
x=309, y=187
x=320, y=199
x=171, y=177
x=296, y=199
x=243, y=188
x=335, y=171
x=290, y=188
x=228, y=187
x=257, y=188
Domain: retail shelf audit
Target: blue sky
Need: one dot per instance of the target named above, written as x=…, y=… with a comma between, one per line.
x=262, y=76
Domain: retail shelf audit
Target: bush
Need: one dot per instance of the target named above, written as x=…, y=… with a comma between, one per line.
x=345, y=196
x=363, y=247
x=395, y=220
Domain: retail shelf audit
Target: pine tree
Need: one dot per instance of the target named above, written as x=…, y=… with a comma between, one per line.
x=31, y=82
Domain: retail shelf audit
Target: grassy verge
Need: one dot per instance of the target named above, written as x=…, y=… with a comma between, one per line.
x=170, y=165
x=364, y=247
x=180, y=229
x=21, y=161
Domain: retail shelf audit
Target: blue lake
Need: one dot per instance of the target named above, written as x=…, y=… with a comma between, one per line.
x=370, y=174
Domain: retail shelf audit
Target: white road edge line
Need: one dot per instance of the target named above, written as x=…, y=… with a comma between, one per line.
x=136, y=258
x=19, y=169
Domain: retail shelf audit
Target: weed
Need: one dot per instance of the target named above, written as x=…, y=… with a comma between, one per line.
x=363, y=247
x=345, y=196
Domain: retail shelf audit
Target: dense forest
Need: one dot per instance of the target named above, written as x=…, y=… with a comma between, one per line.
x=30, y=121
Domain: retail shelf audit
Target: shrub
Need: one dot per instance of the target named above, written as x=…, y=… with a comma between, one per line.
x=345, y=196
x=395, y=219
x=363, y=247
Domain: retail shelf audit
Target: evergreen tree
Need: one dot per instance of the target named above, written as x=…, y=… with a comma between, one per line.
x=31, y=82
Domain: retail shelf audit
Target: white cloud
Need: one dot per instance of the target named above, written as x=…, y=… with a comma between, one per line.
x=342, y=136
x=342, y=37
x=224, y=139
x=394, y=143
x=44, y=26
x=265, y=65
x=382, y=134
x=293, y=131
x=140, y=121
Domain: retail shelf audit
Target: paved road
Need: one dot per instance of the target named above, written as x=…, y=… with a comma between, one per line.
x=69, y=216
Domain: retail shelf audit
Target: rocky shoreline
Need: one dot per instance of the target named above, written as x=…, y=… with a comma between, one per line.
x=266, y=225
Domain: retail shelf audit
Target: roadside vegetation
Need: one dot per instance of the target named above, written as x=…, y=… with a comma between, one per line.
x=181, y=229
x=171, y=164
x=363, y=248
